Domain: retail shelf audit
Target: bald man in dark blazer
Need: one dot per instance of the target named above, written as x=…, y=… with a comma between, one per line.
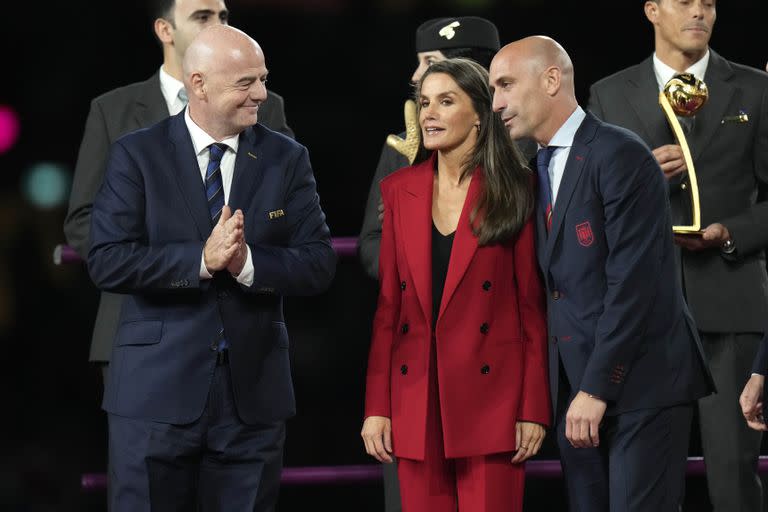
x=112, y=115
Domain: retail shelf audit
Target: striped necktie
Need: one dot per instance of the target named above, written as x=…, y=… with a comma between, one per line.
x=543, y=158
x=214, y=185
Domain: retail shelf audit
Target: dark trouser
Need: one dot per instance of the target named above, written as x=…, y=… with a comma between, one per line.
x=731, y=449
x=639, y=466
x=391, y=488
x=217, y=463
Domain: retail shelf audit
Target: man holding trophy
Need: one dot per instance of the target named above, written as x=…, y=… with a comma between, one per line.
x=712, y=144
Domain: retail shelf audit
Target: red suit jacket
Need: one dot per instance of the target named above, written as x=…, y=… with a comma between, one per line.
x=490, y=332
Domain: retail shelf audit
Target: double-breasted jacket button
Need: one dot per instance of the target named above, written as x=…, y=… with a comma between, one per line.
x=484, y=328
x=485, y=370
x=404, y=369
x=404, y=328
x=556, y=295
x=402, y=285
x=487, y=285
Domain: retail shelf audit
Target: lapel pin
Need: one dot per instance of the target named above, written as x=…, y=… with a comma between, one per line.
x=252, y=155
x=743, y=117
x=276, y=214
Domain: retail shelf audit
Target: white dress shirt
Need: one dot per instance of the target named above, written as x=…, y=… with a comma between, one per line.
x=201, y=141
x=563, y=140
x=664, y=73
x=170, y=88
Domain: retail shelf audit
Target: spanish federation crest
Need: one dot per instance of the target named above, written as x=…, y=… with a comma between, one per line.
x=584, y=233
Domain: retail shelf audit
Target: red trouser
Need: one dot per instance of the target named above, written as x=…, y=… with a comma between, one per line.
x=486, y=483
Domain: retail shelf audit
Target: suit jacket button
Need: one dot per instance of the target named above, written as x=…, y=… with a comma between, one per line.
x=487, y=285
x=404, y=329
x=554, y=339
x=402, y=286
x=404, y=369
x=214, y=346
x=484, y=328
x=485, y=370
x=556, y=295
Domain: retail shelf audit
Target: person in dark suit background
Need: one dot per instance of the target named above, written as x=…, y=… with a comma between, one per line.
x=625, y=363
x=723, y=272
x=753, y=399
x=471, y=37
x=128, y=108
x=205, y=221
x=456, y=382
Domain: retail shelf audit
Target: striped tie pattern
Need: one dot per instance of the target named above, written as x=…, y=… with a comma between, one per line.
x=214, y=185
x=543, y=158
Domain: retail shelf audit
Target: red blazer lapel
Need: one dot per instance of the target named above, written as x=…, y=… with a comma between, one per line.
x=415, y=219
x=464, y=242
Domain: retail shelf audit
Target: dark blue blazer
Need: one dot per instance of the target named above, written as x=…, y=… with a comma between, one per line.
x=149, y=224
x=616, y=316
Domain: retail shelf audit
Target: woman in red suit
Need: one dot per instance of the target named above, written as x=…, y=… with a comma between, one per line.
x=457, y=373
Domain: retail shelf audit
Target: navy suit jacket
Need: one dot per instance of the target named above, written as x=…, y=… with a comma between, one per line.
x=617, y=319
x=149, y=223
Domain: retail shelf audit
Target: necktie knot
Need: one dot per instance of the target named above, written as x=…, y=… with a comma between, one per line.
x=544, y=156
x=217, y=150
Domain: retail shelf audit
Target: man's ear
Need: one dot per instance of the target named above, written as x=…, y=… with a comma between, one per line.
x=552, y=79
x=197, y=85
x=651, y=11
x=164, y=30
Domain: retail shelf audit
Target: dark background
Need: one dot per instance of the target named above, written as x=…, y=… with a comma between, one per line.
x=343, y=67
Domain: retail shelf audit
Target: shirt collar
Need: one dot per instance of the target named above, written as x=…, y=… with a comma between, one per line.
x=564, y=136
x=169, y=86
x=664, y=73
x=201, y=140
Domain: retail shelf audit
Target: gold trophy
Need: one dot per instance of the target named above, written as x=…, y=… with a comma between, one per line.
x=408, y=147
x=683, y=96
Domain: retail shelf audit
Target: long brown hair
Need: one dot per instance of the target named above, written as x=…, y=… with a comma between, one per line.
x=507, y=199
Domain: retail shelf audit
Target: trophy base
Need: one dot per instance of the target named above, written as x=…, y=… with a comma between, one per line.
x=687, y=231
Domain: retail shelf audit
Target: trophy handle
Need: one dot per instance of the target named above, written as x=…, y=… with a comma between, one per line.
x=408, y=147
x=695, y=227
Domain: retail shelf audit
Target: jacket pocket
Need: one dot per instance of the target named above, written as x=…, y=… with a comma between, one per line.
x=140, y=332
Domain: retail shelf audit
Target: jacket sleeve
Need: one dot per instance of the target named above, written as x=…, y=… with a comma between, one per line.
x=535, y=400
x=377, y=388
x=120, y=258
x=89, y=174
x=307, y=263
x=634, y=199
x=370, y=234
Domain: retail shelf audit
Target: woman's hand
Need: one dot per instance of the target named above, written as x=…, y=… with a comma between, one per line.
x=529, y=439
x=377, y=436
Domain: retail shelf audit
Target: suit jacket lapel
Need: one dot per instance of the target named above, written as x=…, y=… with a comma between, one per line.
x=150, y=104
x=415, y=219
x=187, y=173
x=464, y=242
x=642, y=93
x=719, y=73
x=573, y=167
x=246, y=171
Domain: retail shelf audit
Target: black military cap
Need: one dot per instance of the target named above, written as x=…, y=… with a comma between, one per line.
x=461, y=32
